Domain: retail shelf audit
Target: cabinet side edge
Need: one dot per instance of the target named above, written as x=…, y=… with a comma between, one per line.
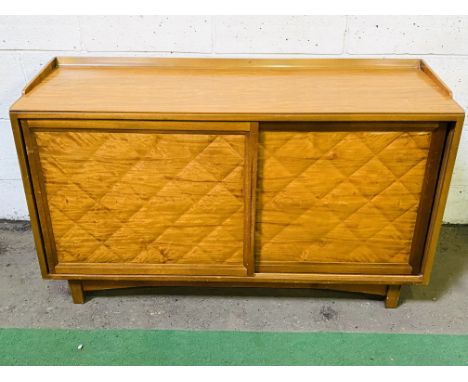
x=443, y=185
x=29, y=193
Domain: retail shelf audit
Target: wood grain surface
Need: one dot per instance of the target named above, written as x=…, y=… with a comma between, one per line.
x=135, y=171
x=338, y=196
x=145, y=198
x=237, y=86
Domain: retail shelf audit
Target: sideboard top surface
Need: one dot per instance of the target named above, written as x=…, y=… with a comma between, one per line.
x=249, y=87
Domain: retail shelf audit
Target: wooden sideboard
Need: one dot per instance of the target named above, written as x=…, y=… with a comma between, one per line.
x=237, y=172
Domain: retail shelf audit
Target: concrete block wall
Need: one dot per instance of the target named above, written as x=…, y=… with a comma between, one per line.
x=28, y=42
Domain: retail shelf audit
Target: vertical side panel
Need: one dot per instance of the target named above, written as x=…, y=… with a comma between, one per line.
x=443, y=184
x=29, y=192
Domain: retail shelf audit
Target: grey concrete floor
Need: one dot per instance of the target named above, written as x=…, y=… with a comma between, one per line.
x=28, y=301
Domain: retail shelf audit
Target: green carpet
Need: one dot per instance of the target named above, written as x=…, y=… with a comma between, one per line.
x=161, y=347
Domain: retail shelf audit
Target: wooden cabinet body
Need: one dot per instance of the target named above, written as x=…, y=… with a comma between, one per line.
x=220, y=172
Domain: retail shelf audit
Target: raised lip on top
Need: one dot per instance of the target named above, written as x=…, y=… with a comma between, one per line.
x=238, y=63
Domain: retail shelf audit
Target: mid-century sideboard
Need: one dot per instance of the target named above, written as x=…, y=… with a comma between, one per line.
x=237, y=172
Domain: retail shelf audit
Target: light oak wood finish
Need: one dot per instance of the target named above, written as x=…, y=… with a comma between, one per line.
x=77, y=291
x=30, y=198
x=237, y=87
x=338, y=196
x=136, y=198
x=392, y=298
x=136, y=172
x=256, y=278
x=440, y=198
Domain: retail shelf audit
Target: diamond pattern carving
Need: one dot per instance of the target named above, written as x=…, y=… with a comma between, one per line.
x=338, y=196
x=145, y=198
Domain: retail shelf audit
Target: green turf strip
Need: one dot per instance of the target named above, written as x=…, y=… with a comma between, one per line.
x=161, y=347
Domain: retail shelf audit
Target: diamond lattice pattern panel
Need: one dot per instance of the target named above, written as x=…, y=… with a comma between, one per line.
x=338, y=196
x=145, y=198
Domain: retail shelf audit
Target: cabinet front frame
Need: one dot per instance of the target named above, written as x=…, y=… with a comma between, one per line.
x=454, y=122
x=29, y=127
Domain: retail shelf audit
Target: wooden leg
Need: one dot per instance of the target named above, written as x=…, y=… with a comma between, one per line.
x=393, y=296
x=77, y=292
